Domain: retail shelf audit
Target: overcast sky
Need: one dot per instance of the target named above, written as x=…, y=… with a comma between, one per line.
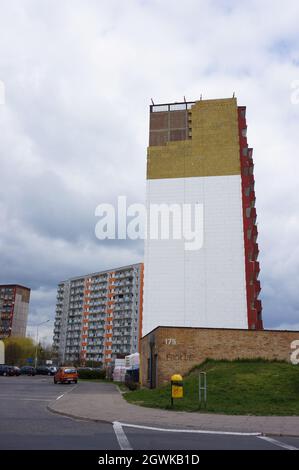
x=79, y=76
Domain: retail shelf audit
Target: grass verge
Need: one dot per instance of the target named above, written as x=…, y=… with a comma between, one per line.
x=250, y=387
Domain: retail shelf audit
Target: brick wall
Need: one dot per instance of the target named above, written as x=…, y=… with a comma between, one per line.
x=177, y=350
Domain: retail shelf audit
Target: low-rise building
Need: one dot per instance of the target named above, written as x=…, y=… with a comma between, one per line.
x=176, y=350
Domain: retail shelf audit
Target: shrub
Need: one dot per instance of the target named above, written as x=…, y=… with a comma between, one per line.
x=131, y=383
x=91, y=374
x=132, y=386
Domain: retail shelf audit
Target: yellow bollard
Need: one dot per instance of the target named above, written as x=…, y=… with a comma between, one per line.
x=177, y=387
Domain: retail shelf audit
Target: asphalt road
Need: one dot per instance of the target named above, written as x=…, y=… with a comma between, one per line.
x=25, y=423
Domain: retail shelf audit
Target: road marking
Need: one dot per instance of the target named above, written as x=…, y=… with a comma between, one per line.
x=191, y=431
x=278, y=443
x=121, y=437
x=9, y=397
x=65, y=393
x=35, y=399
x=29, y=399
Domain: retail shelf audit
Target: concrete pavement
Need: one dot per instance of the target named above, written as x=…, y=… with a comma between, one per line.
x=104, y=403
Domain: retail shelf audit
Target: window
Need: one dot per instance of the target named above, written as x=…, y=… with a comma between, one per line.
x=177, y=107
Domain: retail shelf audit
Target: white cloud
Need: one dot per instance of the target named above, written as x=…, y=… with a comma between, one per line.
x=79, y=76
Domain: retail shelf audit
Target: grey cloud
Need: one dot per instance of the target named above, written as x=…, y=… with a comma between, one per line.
x=73, y=133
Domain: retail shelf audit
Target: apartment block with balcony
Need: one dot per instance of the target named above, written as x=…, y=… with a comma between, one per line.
x=198, y=155
x=99, y=316
x=14, y=308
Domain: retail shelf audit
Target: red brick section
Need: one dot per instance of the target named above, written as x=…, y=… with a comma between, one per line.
x=252, y=268
x=141, y=274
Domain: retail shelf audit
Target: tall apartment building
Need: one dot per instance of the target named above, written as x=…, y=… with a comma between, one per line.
x=198, y=154
x=99, y=315
x=14, y=308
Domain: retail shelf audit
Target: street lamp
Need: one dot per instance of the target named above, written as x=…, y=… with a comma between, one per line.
x=37, y=326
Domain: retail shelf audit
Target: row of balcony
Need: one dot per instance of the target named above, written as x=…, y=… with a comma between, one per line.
x=118, y=308
x=123, y=334
x=121, y=324
x=124, y=274
x=251, y=246
x=97, y=314
x=122, y=315
x=96, y=327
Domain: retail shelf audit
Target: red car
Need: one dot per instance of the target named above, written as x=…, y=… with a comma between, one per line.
x=66, y=375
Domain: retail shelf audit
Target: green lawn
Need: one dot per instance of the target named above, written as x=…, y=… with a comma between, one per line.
x=253, y=387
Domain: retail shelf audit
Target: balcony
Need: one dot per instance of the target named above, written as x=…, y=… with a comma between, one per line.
x=254, y=269
x=255, y=252
x=257, y=287
x=248, y=180
x=254, y=233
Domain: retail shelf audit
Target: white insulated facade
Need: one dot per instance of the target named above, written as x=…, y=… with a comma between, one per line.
x=194, y=288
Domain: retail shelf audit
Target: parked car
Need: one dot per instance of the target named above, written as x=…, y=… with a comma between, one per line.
x=28, y=370
x=7, y=370
x=43, y=370
x=46, y=370
x=17, y=370
x=66, y=375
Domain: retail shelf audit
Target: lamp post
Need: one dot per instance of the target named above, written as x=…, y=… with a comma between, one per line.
x=36, y=347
